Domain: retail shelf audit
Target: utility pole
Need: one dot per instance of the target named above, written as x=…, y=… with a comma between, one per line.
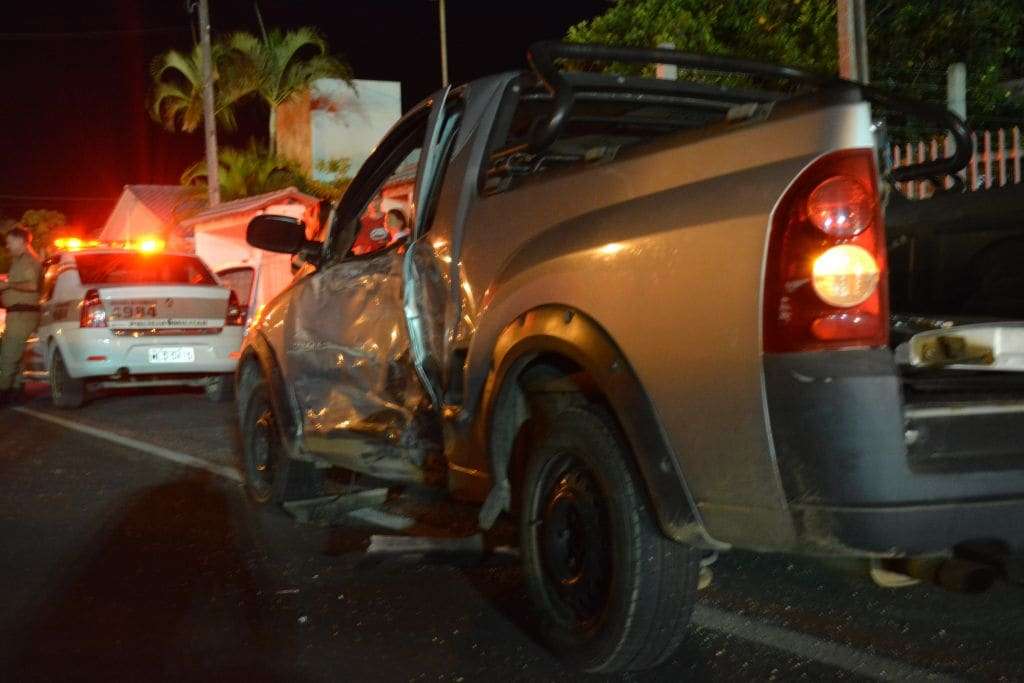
x=956, y=89
x=209, y=117
x=444, y=43
x=853, y=40
x=668, y=72
x=956, y=101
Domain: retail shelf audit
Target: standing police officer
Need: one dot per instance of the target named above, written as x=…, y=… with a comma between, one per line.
x=20, y=295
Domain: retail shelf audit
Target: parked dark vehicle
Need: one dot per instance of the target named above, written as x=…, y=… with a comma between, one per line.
x=649, y=318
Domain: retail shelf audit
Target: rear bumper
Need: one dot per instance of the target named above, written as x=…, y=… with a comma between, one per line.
x=911, y=530
x=840, y=433
x=214, y=353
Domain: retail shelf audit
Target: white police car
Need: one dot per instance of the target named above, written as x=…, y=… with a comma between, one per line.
x=131, y=314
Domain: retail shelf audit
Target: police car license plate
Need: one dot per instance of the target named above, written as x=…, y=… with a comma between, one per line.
x=172, y=354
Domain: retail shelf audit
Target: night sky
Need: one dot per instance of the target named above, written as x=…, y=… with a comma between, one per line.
x=75, y=76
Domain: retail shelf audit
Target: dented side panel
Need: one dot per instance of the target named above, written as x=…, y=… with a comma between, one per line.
x=344, y=351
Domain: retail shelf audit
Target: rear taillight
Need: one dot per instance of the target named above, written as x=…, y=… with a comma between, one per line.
x=92, y=312
x=825, y=278
x=236, y=312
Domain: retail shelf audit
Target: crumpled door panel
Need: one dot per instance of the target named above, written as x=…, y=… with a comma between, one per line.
x=348, y=355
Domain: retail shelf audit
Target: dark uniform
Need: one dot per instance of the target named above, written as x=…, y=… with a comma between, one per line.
x=22, y=316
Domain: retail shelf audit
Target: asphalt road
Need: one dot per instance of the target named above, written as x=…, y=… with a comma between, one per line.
x=128, y=552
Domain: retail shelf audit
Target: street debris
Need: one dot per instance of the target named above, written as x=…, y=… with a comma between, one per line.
x=424, y=545
x=382, y=519
x=327, y=510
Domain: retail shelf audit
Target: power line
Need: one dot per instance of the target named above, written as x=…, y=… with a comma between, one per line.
x=54, y=198
x=89, y=34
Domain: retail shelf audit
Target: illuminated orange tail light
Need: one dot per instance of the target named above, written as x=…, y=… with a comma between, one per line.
x=825, y=278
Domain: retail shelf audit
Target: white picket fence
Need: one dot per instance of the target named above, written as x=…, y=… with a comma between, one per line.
x=993, y=165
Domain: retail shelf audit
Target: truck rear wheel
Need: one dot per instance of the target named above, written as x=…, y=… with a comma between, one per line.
x=270, y=475
x=65, y=390
x=614, y=593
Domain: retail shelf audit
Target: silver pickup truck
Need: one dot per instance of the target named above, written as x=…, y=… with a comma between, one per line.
x=649, y=319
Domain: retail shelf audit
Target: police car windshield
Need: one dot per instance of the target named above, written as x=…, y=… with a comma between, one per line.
x=134, y=269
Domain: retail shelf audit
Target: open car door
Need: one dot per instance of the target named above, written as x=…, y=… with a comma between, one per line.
x=425, y=291
x=348, y=353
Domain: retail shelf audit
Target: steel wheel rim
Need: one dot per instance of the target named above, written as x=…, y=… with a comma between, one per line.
x=573, y=540
x=261, y=447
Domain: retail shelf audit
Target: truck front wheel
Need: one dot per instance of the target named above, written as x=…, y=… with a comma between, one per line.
x=614, y=593
x=271, y=477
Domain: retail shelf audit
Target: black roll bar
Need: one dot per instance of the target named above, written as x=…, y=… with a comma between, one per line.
x=542, y=58
x=963, y=146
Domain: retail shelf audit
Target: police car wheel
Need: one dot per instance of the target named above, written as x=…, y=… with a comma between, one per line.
x=270, y=475
x=220, y=388
x=65, y=390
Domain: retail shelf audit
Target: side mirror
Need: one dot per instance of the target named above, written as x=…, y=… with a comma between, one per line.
x=282, y=234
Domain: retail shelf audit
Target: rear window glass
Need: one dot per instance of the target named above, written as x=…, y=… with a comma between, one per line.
x=113, y=269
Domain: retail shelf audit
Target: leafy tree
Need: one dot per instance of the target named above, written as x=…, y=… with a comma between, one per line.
x=244, y=172
x=910, y=42
x=177, y=97
x=337, y=171
x=42, y=223
x=252, y=170
x=282, y=64
x=273, y=68
x=799, y=33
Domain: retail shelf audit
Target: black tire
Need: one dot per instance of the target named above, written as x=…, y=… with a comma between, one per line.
x=65, y=391
x=271, y=477
x=220, y=388
x=614, y=593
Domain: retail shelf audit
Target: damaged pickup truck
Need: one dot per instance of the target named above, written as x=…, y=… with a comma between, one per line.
x=650, y=319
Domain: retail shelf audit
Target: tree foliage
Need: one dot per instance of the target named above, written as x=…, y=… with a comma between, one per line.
x=280, y=64
x=333, y=183
x=272, y=69
x=177, y=98
x=253, y=170
x=910, y=42
x=44, y=225
x=798, y=33
x=243, y=172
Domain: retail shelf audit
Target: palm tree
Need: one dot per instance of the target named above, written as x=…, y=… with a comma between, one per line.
x=177, y=98
x=245, y=172
x=283, y=64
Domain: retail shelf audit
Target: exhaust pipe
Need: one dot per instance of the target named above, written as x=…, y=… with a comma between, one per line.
x=955, y=574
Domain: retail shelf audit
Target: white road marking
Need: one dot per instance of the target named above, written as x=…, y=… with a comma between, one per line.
x=178, y=457
x=779, y=638
x=809, y=647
